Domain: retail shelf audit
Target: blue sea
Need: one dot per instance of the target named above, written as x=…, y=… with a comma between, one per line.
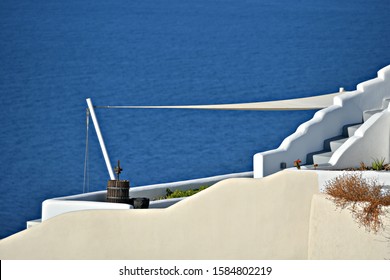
x=54, y=54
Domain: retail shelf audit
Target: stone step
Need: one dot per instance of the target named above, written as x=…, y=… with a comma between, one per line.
x=351, y=129
x=322, y=158
x=385, y=103
x=370, y=113
x=334, y=145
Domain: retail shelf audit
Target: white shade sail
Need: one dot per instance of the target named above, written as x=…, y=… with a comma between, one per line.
x=307, y=103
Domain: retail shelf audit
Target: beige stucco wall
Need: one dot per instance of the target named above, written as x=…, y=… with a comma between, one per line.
x=334, y=234
x=269, y=218
x=235, y=219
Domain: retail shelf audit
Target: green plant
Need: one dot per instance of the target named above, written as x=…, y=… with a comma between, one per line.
x=364, y=198
x=168, y=192
x=181, y=193
x=378, y=164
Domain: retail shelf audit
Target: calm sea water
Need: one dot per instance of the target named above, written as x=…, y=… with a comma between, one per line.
x=54, y=54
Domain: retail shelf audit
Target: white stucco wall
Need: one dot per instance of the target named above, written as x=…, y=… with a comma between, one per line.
x=234, y=219
x=278, y=217
x=324, y=176
x=327, y=123
x=371, y=141
x=335, y=235
x=309, y=137
x=97, y=200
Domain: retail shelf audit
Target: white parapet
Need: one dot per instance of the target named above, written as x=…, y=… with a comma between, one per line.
x=347, y=109
x=280, y=217
x=97, y=200
x=370, y=142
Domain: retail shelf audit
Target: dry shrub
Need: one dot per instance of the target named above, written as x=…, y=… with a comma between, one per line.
x=363, y=166
x=365, y=198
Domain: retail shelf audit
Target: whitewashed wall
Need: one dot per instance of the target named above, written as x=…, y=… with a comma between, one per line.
x=279, y=217
x=97, y=200
x=326, y=123
x=370, y=142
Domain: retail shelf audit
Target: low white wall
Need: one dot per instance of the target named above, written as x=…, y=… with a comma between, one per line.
x=282, y=216
x=159, y=190
x=164, y=203
x=55, y=207
x=326, y=123
x=324, y=176
x=97, y=200
x=233, y=219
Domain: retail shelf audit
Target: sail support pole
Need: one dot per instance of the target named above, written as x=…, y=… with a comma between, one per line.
x=100, y=137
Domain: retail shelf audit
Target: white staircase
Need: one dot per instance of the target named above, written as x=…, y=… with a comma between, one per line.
x=352, y=129
x=322, y=158
x=334, y=145
x=331, y=145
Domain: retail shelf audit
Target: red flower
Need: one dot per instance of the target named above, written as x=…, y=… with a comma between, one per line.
x=297, y=163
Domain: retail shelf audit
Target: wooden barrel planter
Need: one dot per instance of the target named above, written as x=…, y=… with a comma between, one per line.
x=118, y=191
